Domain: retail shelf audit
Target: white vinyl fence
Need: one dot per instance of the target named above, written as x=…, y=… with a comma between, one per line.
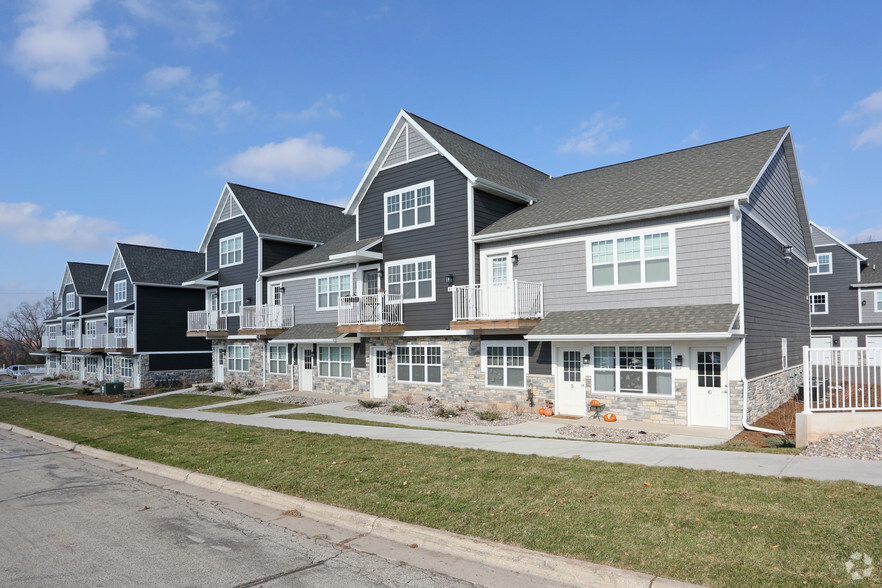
x=842, y=379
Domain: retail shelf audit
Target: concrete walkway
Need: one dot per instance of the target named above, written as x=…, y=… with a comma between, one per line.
x=524, y=442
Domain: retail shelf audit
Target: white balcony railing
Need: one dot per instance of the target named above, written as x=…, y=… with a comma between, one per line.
x=489, y=302
x=70, y=341
x=206, y=320
x=52, y=342
x=267, y=316
x=372, y=309
x=94, y=341
x=842, y=379
x=119, y=340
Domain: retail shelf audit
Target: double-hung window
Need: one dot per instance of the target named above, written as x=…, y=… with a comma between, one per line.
x=52, y=362
x=125, y=367
x=818, y=301
x=330, y=289
x=231, y=250
x=633, y=369
x=91, y=365
x=412, y=279
x=879, y=301
x=630, y=260
x=91, y=328
x=335, y=361
x=238, y=358
x=70, y=301
x=418, y=363
x=825, y=264
x=119, y=325
x=410, y=207
x=75, y=364
x=119, y=291
x=230, y=300
x=277, y=359
x=108, y=366
x=505, y=364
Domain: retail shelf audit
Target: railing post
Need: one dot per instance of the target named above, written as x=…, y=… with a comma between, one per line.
x=806, y=380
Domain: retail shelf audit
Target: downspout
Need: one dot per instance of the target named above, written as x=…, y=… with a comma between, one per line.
x=744, y=422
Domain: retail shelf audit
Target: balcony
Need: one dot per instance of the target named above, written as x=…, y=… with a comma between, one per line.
x=93, y=342
x=507, y=306
x=206, y=323
x=373, y=313
x=266, y=320
x=121, y=342
x=69, y=341
x=52, y=342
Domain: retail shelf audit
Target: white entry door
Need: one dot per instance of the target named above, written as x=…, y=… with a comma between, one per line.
x=379, y=377
x=709, y=389
x=306, y=362
x=498, y=297
x=874, y=350
x=219, y=366
x=570, y=385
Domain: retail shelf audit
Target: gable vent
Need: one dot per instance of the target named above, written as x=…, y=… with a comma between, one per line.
x=231, y=208
x=409, y=145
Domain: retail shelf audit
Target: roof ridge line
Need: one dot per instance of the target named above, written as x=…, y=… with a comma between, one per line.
x=302, y=199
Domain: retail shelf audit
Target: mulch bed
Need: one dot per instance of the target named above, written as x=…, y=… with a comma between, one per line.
x=782, y=418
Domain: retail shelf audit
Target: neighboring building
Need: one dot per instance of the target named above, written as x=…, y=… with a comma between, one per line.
x=846, y=292
x=660, y=286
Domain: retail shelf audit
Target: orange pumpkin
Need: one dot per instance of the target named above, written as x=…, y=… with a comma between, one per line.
x=609, y=417
x=546, y=411
x=595, y=402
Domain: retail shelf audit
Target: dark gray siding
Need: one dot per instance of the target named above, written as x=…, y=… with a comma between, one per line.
x=161, y=319
x=90, y=303
x=76, y=308
x=277, y=251
x=490, y=208
x=775, y=304
x=244, y=273
x=870, y=314
x=182, y=361
x=773, y=201
x=842, y=299
x=447, y=239
x=116, y=276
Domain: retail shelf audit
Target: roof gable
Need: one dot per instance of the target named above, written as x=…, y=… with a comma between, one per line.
x=157, y=265
x=871, y=271
x=87, y=278
x=823, y=237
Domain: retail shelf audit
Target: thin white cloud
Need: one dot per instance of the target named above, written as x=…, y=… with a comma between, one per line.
x=142, y=113
x=592, y=137
x=807, y=179
x=872, y=104
x=58, y=47
x=294, y=158
x=23, y=222
x=321, y=108
x=166, y=76
x=867, y=111
x=871, y=234
x=695, y=137
x=869, y=137
x=192, y=22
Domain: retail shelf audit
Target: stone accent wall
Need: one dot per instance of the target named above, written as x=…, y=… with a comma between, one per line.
x=767, y=393
x=647, y=408
x=253, y=378
x=736, y=403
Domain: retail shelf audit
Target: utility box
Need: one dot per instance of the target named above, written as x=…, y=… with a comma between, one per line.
x=112, y=388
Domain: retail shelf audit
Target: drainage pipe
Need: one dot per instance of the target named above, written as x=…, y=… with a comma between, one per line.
x=744, y=422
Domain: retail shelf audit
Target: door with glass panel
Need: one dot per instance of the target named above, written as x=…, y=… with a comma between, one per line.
x=379, y=373
x=498, y=299
x=709, y=389
x=570, y=385
x=370, y=288
x=306, y=363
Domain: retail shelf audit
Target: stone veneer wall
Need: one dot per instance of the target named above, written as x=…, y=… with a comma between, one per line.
x=767, y=393
x=648, y=408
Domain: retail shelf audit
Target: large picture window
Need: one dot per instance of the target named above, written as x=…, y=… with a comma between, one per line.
x=119, y=291
x=505, y=363
x=418, y=363
x=230, y=300
x=633, y=369
x=231, y=250
x=238, y=358
x=825, y=264
x=329, y=290
x=413, y=279
x=818, y=302
x=278, y=359
x=410, y=207
x=630, y=260
x=335, y=361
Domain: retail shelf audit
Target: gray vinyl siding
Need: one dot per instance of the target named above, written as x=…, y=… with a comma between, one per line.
x=819, y=239
x=302, y=294
x=244, y=273
x=489, y=209
x=772, y=201
x=447, y=239
x=76, y=308
x=161, y=319
x=417, y=146
x=871, y=316
x=842, y=299
x=703, y=270
x=120, y=274
x=775, y=304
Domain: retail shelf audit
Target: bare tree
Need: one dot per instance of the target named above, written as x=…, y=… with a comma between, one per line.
x=22, y=330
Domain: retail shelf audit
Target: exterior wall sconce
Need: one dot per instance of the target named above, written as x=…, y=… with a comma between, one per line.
x=863, y=302
x=678, y=361
x=449, y=279
x=282, y=289
x=586, y=359
x=248, y=301
x=787, y=250
x=380, y=275
x=514, y=259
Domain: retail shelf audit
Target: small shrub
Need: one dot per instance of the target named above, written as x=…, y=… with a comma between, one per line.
x=371, y=403
x=408, y=399
x=779, y=442
x=463, y=407
x=236, y=390
x=249, y=391
x=85, y=391
x=216, y=388
x=488, y=415
x=161, y=390
x=201, y=387
x=399, y=408
x=445, y=413
x=517, y=409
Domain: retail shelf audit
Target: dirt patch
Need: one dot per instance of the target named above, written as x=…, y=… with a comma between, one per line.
x=782, y=418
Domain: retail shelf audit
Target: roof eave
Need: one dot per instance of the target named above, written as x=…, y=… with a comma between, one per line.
x=501, y=190
x=634, y=337
x=839, y=241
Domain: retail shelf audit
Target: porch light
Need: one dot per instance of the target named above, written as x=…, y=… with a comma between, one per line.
x=248, y=301
x=514, y=259
x=449, y=279
x=586, y=359
x=787, y=250
x=678, y=361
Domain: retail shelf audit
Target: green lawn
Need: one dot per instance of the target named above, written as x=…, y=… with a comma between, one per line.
x=182, y=400
x=256, y=407
x=710, y=528
x=326, y=418
x=44, y=389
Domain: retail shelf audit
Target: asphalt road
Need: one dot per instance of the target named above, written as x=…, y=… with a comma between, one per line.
x=65, y=521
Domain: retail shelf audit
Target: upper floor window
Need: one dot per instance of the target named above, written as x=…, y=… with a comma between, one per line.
x=410, y=207
x=119, y=291
x=231, y=250
x=70, y=301
x=329, y=290
x=413, y=279
x=91, y=328
x=825, y=264
x=230, y=300
x=818, y=302
x=119, y=325
x=276, y=292
x=630, y=260
x=879, y=301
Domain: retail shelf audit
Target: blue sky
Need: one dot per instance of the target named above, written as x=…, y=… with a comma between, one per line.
x=123, y=119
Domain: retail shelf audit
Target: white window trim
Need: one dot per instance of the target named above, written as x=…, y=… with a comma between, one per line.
x=126, y=364
x=645, y=370
x=316, y=362
x=415, y=260
x=241, y=249
x=270, y=360
x=246, y=360
x=484, y=367
x=784, y=360
x=70, y=301
x=91, y=362
x=119, y=295
x=108, y=366
x=120, y=320
x=878, y=305
x=425, y=354
x=817, y=267
x=417, y=225
x=672, y=259
x=327, y=277
x=220, y=304
x=826, y=302
x=94, y=328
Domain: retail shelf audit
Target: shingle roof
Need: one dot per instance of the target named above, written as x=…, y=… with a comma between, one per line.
x=873, y=252
x=342, y=243
x=310, y=332
x=88, y=278
x=286, y=216
x=156, y=265
x=713, y=318
x=485, y=162
x=101, y=310
x=725, y=168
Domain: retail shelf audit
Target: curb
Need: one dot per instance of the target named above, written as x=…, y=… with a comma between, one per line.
x=524, y=561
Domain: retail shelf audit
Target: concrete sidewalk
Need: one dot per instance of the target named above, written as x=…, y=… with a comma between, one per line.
x=761, y=464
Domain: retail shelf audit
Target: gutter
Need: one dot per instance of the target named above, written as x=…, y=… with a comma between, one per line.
x=744, y=422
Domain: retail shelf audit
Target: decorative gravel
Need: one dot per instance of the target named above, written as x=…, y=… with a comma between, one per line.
x=863, y=444
x=609, y=434
x=465, y=417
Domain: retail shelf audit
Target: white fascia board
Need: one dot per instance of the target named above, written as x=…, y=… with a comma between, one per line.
x=500, y=190
x=302, y=268
x=768, y=161
x=203, y=245
x=181, y=286
x=864, y=327
x=116, y=255
x=867, y=285
x=287, y=239
x=200, y=284
x=361, y=252
x=634, y=337
x=613, y=218
x=839, y=241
